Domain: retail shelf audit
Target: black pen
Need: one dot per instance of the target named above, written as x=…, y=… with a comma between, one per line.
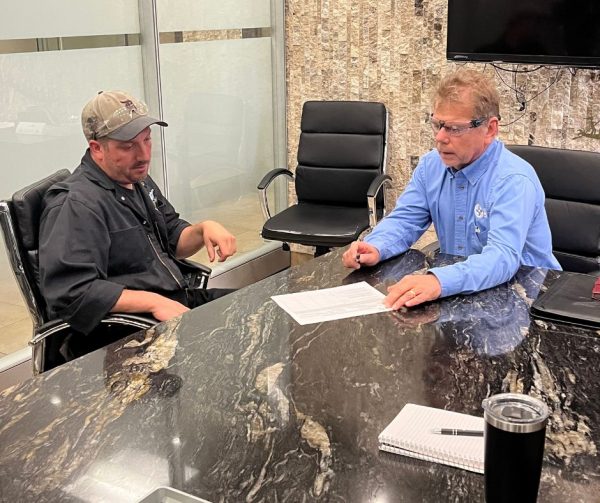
x=456, y=431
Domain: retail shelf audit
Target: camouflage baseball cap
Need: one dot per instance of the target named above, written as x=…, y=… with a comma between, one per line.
x=116, y=115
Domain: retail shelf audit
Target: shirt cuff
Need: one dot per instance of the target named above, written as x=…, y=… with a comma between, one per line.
x=449, y=280
x=384, y=254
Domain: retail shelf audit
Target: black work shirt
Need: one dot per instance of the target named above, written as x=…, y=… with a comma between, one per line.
x=96, y=240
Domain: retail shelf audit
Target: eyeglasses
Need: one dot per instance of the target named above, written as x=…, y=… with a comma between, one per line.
x=455, y=129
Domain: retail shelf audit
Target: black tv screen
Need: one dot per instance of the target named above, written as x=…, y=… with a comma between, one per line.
x=552, y=32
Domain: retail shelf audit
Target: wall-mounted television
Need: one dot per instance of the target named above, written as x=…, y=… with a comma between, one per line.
x=549, y=32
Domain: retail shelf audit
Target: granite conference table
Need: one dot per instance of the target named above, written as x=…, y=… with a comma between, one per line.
x=235, y=401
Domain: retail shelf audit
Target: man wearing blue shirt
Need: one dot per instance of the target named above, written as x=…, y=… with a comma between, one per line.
x=485, y=202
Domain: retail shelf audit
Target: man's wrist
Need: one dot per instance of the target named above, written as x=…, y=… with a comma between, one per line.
x=439, y=283
x=137, y=301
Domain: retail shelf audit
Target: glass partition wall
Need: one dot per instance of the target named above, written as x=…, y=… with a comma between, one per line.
x=219, y=93
x=213, y=69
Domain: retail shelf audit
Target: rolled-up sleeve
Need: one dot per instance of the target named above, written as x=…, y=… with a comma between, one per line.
x=74, y=251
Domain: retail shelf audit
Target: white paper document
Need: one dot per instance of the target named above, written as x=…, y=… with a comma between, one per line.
x=336, y=303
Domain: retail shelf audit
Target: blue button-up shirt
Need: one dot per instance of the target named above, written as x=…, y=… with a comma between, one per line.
x=491, y=211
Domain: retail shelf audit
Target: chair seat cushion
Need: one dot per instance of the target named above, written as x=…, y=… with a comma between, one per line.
x=317, y=224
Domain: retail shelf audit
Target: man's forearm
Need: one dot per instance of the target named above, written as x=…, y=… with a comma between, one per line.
x=137, y=301
x=160, y=307
x=219, y=242
x=480, y=271
x=190, y=240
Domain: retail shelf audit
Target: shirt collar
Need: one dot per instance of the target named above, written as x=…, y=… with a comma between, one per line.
x=474, y=171
x=95, y=173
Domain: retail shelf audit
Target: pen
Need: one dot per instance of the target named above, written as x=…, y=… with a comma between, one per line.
x=455, y=431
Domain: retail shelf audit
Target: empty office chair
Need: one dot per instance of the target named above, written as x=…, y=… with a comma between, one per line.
x=340, y=171
x=19, y=220
x=571, y=181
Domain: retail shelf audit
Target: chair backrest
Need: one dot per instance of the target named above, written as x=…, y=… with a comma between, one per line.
x=342, y=149
x=571, y=181
x=20, y=222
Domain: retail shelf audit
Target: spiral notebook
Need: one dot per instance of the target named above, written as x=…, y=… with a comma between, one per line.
x=411, y=434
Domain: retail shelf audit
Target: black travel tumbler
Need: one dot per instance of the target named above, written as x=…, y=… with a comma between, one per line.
x=515, y=430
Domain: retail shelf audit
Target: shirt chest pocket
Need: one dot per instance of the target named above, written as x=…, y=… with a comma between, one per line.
x=129, y=251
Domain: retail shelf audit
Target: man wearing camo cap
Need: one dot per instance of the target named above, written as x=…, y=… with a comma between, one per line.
x=109, y=240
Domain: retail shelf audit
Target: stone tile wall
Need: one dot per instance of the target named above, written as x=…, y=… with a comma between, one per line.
x=394, y=51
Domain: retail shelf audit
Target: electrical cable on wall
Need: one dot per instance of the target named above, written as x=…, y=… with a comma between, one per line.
x=520, y=92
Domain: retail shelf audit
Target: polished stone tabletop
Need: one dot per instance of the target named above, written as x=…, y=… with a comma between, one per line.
x=235, y=401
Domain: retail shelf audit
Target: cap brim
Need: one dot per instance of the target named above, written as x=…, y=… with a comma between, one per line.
x=133, y=128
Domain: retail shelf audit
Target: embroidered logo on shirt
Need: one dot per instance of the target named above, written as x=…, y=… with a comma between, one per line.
x=480, y=211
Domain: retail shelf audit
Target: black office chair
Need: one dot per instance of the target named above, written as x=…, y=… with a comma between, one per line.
x=341, y=169
x=571, y=181
x=19, y=220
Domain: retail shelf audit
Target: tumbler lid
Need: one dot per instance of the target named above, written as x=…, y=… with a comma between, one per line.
x=515, y=412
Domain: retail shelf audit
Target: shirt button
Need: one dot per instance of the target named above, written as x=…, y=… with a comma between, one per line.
x=122, y=198
x=460, y=247
x=144, y=222
x=461, y=218
x=461, y=187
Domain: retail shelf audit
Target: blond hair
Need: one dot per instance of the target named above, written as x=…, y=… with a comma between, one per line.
x=469, y=84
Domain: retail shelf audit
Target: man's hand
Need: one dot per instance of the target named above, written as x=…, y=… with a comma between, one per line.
x=412, y=290
x=165, y=309
x=218, y=240
x=360, y=253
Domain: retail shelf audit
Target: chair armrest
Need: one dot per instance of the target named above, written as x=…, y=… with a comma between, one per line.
x=196, y=274
x=48, y=338
x=374, y=189
x=271, y=175
x=54, y=326
x=142, y=321
x=264, y=184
